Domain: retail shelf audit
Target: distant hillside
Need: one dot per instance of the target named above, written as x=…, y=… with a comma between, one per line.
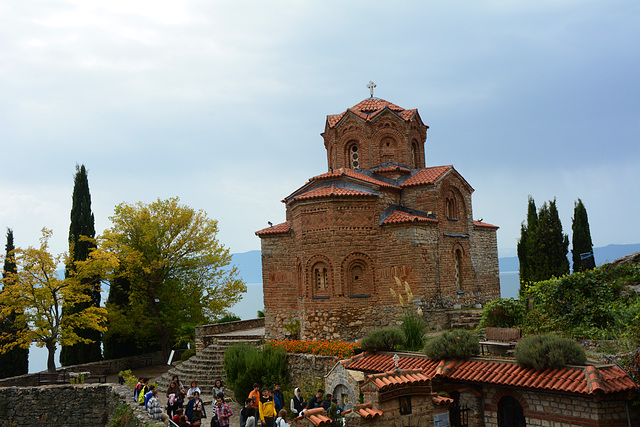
x=603, y=255
x=250, y=263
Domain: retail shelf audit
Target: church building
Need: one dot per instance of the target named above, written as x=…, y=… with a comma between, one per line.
x=377, y=214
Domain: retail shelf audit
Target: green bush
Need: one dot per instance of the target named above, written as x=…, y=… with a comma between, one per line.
x=228, y=318
x=541, y=352
x=187, y=354
x=123, y=416
x=503, y=313
x=245, y=364
x=413, y=327
x=387, y=339
x=456, y=344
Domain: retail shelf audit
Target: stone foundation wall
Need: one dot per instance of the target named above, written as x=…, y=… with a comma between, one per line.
x=205, y=332
x=308, y=371
x=66, y=405
x=96, y=368
x=540, y=409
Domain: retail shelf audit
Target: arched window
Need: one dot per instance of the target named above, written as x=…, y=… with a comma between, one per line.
x=458, y=265
x=510, y=413
x=452, y=212
x=353, y=155
x=320, y=277
x=388, y=149
x=414, y=155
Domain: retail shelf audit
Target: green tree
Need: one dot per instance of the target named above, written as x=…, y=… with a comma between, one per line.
x=550, y=245
x=176, y=268
x=16, y=361
x=525, y=244
x=81, y=242
x=37, y=295
x=581, y=237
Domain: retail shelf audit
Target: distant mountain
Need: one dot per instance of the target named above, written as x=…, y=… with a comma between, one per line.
x=603, y=255
x=250, y=265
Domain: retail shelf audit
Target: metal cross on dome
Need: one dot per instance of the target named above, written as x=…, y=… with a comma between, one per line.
x=371, y=85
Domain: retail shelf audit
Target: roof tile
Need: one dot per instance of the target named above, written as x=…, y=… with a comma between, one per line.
x=331, y=191
x=350, y=173
x=370, y=108
x=576, y=379
x=275, y=229
x=399, y=217
x=427, y=175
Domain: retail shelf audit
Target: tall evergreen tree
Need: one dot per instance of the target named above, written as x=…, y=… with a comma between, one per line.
x=581, y=237
x=550, y=245
x=527, y=230
x=16, y=361
x=82, y=227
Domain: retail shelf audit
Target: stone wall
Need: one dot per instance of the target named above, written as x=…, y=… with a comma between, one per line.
x=542, y=408
x=95, y=368
x=66, y=405
x=204, y=333
x=308, y=371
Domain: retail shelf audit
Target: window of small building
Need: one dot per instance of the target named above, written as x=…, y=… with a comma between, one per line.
x=405, y=405
x=452, y=212
x=510, y=413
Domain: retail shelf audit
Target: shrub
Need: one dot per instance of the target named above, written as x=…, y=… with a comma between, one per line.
x=228, y=318
x=387, y=339
x=187, y=354
x=548, y=351
x=413, y=327
x=245, y=364
x=503, y=313
x=456, y=344
x=123, y=416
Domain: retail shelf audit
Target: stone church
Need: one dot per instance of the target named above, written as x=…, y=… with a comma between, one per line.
x=378, y=213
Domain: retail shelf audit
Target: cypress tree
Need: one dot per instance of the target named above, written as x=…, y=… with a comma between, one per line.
x=16, y=361
x=581, y=235
x=525, y=248
x=549, y=244
x=82, y=225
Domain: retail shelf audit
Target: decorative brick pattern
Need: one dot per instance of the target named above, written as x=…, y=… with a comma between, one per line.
x=377, y=214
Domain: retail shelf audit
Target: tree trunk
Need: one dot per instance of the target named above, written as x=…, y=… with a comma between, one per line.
x=51, y=359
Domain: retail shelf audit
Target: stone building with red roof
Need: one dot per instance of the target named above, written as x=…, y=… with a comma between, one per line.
x=481, y=392
x=378, y=213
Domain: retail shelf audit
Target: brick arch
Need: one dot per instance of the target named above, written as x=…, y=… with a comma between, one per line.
x=511, y=393
x=399, y=153
x=345, y=142
x=360, y=265
x=314, y=266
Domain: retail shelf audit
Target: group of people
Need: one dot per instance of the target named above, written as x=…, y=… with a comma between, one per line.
x=267, y=406
x=184, y=407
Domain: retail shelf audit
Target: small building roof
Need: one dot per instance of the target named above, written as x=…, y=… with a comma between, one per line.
x=281, y=228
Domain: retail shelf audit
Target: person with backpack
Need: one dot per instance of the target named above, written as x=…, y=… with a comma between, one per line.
x=143, y=390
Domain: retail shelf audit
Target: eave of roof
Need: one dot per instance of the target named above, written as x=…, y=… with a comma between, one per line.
x=281, y=228
x=484, y=224
x=570, y=379
x=331, y=191
x=370, y=108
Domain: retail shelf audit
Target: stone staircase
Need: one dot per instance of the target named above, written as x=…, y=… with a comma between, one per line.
x=207, y=365
x=465, y=319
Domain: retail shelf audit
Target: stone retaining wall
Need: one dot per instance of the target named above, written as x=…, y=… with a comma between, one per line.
x=308, y=371
x=204, y=331
x=96, y=368
x=65, y=405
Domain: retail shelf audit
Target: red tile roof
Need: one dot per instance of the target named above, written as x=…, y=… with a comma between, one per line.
x=365, y=411
x=574, y=379
x=275, y=229
x=484, y=224
x=391, y=379
x=370, y=108
x=393, y=168
x=331, y=191
x=342, y=172
x=317, y=417
x=427, y=175
x=399, y=217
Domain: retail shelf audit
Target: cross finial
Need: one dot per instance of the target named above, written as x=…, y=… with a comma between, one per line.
x=371, y=85
x=396, y=359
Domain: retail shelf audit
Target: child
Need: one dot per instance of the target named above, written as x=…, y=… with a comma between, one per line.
x=248, y=403
x=281, y=421
x=267, y=408
x=255, y=398
x=251, y=417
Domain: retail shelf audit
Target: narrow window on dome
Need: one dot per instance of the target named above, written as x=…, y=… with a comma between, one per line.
x=354, y=159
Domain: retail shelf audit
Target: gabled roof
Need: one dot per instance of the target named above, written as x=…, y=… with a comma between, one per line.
x=331, y=191
x=572, y=379
x=398, y=378
x=402, y=215
x=275, y=229
x=371, y=108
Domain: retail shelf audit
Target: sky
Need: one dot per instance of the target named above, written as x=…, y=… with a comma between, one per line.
x=222, y=103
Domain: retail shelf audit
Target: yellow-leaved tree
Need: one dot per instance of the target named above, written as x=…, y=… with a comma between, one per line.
x=36, y=293
x=176, y=270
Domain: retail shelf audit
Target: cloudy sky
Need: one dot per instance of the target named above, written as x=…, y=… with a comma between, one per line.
x=222, y=102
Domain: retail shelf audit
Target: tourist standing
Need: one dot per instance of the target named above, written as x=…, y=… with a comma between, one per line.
x=248, y=403
x=223, y=411
x=296, y=402
x=251, y=417
x=192, y=390
x=255, y=397
x=281, y=421
x=267, y=408
x=316, y=400
x=195, y=408
x=218, y=388
x=278, y=394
